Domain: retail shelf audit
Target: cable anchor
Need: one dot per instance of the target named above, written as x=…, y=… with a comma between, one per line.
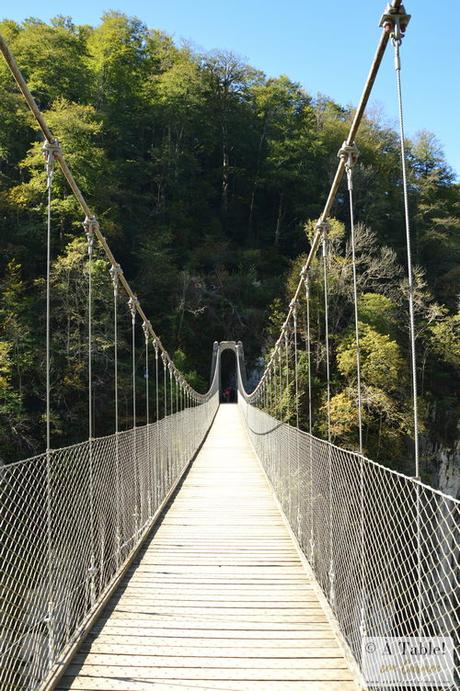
x=91, y=226
x=50, y=150
x=394, y=21
x=146, y=326
x=115, y=271
x=322, y=227
x=349, y=154
x=293, y=306
x=132, y=304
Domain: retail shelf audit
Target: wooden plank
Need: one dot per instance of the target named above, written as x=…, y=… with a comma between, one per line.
x=301, y=673
x=138, y=647
x=308, y=609
x=213, y=661
x=215, y=598
x=313, y=631
x=183, y=626
x=97, y=684
x=218, y=598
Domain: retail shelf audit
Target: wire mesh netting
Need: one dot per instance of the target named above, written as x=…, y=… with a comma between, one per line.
x=383, y=547
x=69, y=521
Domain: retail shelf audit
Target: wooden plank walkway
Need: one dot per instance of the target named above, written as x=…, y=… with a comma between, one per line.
x=219, y=598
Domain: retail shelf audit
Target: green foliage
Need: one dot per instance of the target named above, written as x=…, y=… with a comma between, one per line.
x=381, y=361
x=207, y=177
x=384, y=388
x=384, y=350
x=182, y=363
x=379, y=312
x=77, y=128
x=445, y=339
x=52, y=58
x=12, y=414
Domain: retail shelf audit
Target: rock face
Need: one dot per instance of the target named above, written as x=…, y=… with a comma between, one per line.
x=445, y=464
x=449, y=469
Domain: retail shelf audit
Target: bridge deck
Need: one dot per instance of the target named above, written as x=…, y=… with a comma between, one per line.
x=218, y=598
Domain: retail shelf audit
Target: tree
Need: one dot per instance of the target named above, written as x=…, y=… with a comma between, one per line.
x=287, y=147
x=227, y=81
x=52, y=59
x=437, y=221
x=14, y=436
x=203, y=173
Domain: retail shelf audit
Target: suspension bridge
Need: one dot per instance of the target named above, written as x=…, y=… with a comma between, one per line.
x=220, y=546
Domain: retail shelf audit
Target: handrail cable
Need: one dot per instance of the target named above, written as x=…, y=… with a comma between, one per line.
x=52, y=143
x=393, y=9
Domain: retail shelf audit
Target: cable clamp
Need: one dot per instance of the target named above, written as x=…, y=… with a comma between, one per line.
x=349, y=153
x=115, y=271
x=322, y=227
x=146, y=329
x=51, y=149
x=394, y=22
x=132, y=304
x=91, y=226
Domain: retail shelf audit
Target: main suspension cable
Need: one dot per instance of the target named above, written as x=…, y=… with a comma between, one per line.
x=394, y=6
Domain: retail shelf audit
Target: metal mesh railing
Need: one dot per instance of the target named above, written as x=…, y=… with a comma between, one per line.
x=383, y=546
x=69, y=521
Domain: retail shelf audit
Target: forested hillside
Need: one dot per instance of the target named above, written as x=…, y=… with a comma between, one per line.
x=206, y=176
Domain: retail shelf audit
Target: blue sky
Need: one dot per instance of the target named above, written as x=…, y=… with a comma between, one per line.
x=326, y=46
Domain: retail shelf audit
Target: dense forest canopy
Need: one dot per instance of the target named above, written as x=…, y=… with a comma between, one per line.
x=206, y=176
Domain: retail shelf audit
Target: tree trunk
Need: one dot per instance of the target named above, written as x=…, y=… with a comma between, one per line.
x=225, y=171
x=278, y=220
x=256, y=176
